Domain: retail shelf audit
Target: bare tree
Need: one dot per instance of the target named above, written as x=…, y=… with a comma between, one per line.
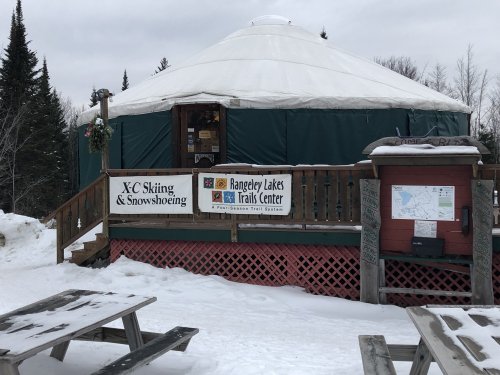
x=493, y=121
x=470, y=87
x=403, y=65
x=437, y=79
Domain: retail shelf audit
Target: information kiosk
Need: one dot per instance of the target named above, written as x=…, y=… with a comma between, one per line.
x=424, y=206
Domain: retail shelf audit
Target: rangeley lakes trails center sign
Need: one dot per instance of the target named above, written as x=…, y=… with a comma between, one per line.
x=221, y=193
x=245, y=194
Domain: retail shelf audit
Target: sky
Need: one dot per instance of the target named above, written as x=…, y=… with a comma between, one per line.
x=89, y=43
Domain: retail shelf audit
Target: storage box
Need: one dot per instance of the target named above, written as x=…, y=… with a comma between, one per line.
x=427, y=247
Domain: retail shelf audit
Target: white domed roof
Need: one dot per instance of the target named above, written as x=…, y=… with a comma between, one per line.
x=275, y=64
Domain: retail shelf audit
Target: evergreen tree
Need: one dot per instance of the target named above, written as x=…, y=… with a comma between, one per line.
x=93, y=98
x=18, y=86
x=163, y=65
x=48, y=173
x=125, y=80
x=323, y=33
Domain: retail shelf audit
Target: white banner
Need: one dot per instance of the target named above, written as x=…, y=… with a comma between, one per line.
x=245, y=194
x=151, y=195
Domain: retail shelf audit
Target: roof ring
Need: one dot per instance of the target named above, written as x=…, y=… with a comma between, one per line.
x=270, y=20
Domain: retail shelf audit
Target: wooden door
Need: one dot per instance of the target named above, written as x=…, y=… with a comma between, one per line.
x=200, y=136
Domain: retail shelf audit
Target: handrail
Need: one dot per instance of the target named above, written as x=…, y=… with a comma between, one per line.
x=79, y=215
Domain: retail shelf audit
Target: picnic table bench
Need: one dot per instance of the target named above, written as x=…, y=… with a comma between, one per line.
x=462, y=340
x=81, y=315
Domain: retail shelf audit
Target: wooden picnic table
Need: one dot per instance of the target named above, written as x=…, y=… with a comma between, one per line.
x=81, y=315
x=462, y=340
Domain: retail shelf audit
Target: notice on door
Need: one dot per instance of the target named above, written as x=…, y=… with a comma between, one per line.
x=245, y=194
x=151, y=195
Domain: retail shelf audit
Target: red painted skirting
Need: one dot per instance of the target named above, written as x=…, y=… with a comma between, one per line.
x=325, y=270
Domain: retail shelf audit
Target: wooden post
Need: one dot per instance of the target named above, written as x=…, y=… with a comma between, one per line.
x=482, y=247
x=103, y=97
x=59, y=239
x=370, y=232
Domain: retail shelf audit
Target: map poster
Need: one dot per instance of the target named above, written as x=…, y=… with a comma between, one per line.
x=245, y=194
x=415, y=202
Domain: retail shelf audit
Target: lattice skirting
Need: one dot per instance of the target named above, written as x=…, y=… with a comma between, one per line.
x=325, y=270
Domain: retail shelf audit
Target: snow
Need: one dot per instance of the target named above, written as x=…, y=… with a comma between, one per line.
x=425, y=149
x=244, y=329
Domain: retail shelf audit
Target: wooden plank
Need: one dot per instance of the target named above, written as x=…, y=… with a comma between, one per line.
x=451, y=359
x=421, y=360
x=8, y=368
x=482, y=220
x=345, y=191
x=375, y=355
x=118, y=336
x=400, y=352
x=309, y=195
x=321, y=195
x=59, y=238
x=149, y=352
x=332, y=196
x=59, y=351
x=426, y=292
x=356, y=197
x=132, y=331
x=297, y=195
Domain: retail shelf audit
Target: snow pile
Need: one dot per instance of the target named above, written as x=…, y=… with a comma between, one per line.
x=244, y=329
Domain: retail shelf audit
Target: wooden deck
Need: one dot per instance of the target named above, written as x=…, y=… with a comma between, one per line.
x=324, y=198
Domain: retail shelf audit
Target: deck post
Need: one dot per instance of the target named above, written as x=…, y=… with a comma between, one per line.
x=370, y=233
x=103, y=98
x=482, y=246
x=59, y=238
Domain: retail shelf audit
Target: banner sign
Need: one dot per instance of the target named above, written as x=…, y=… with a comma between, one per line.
x=245, y=194
x=151, y=195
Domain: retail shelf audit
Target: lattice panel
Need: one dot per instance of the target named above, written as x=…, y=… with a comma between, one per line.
x=323, y=270
x=496, y=277
x=410, y=275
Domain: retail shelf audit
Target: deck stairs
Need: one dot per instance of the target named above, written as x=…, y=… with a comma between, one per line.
x=93, y=252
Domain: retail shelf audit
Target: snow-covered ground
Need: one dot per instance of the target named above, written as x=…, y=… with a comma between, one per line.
x=244, y=329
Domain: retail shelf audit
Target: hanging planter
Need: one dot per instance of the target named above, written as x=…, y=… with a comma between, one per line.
x=98, y=134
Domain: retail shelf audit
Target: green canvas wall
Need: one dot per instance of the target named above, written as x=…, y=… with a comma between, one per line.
x=269, y=136
x=138, y=142
x=314, y=136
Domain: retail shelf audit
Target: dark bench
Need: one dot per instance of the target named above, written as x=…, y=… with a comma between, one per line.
x=175, y=339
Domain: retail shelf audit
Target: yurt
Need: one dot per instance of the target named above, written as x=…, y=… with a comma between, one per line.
x=270, y=93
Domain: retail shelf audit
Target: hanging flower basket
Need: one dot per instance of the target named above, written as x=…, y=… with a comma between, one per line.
x=98, y=134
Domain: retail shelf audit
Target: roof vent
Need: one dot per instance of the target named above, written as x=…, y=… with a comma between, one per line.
x=270, y=20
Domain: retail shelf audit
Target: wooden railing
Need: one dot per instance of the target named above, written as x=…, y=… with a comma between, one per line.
x=79, y=215
x=321, y=195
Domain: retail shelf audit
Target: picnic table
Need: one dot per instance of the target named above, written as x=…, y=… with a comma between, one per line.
x=462, y=340
x=81, y=315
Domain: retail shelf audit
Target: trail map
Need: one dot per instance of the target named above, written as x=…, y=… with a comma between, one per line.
x=423, y=202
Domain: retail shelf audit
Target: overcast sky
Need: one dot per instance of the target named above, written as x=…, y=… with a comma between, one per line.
x=89, y=43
